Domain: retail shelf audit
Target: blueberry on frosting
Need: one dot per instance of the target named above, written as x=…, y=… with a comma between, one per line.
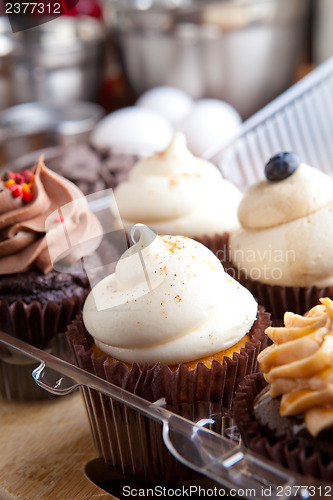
x=281, y=166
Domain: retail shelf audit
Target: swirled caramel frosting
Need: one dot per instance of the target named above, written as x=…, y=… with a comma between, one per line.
x=26, y=200
x=299, y=365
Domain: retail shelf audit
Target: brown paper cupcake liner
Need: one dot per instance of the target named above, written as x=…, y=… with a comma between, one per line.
x=133, y=444
x=279, y=299
x=42, y=327
x=296, y=458
x=274, y=298
x=218, y=244
x=216, y=384
x=16, y=382
x=37, y=324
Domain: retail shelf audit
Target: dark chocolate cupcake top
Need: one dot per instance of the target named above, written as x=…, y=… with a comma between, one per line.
x=91, y=170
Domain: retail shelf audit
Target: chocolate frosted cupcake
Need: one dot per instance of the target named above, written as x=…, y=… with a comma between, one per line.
x=36, y=301
x=91, y=170
x=290, y=420
x=284, y=252
x=177, y=327
x=175, y=193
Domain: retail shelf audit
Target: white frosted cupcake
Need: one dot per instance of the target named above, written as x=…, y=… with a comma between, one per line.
x=174, y=192
x=178, y=328
x=284, y=251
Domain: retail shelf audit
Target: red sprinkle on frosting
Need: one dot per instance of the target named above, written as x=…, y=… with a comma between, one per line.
x=20, y=184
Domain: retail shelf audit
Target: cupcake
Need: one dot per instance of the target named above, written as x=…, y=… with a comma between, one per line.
x=177, y=327
x=283, y=252
x=287, y=414
x=175, y=193
x=91, y=170
x=82, y=166
x=36, y=301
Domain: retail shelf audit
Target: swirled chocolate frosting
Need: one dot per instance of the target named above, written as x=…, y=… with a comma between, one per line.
x=23, y=243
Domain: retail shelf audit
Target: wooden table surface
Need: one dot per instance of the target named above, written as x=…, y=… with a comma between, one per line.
x=44, y=447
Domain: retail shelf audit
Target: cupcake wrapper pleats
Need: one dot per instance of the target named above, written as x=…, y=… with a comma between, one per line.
x=274, y=298
x=42, y=327
x=295, y=458
x=216, y=384
x=279, y=299
x=131, y=443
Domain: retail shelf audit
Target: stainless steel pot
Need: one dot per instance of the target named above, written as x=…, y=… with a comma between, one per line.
x=242, y=51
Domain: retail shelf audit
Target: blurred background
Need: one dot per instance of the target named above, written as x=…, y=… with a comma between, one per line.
x=65, y=81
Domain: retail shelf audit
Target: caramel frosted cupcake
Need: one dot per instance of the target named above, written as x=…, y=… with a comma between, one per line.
x=291, y=420
x=177, y=327
x=283, y=253
x=174, y=193
x=36, y=301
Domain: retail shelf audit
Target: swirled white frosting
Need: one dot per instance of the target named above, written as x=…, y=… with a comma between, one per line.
x=169, y=301
x=286, y=237
x=174, y=192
